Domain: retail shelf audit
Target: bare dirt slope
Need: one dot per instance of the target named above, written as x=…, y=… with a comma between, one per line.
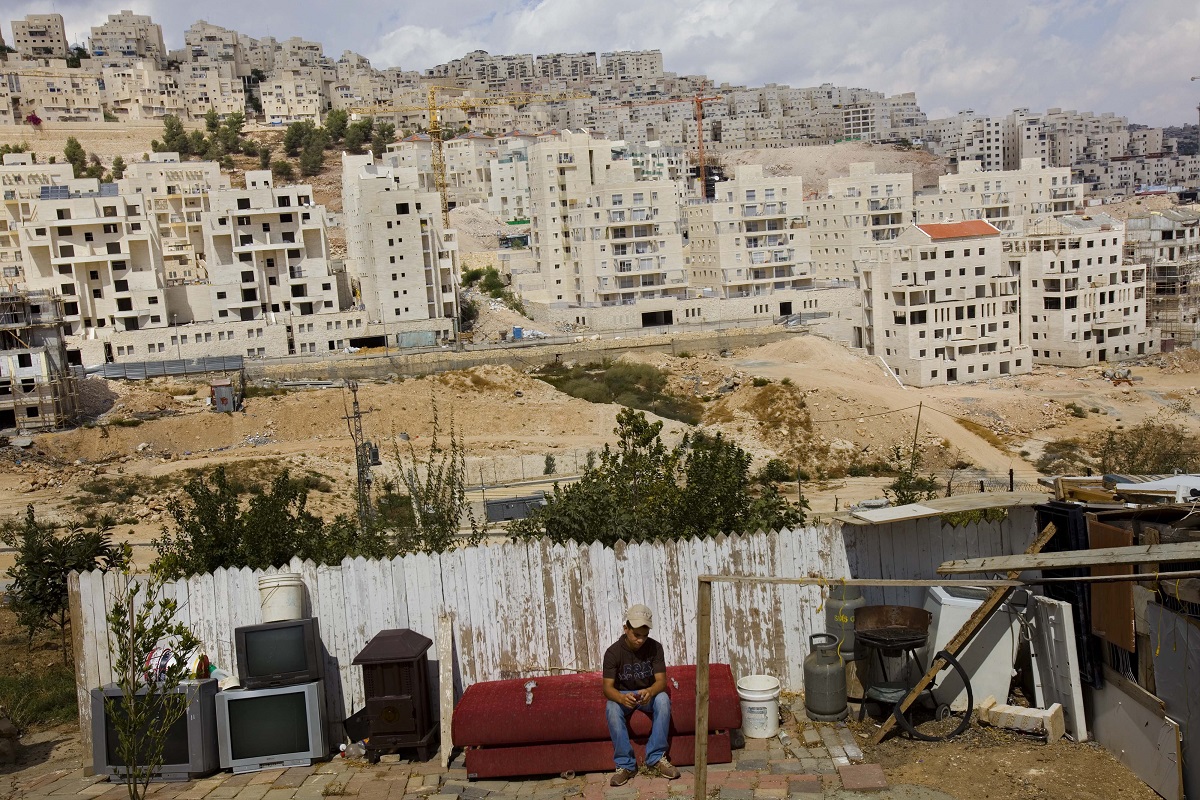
x=816, y=398
x=816, y=165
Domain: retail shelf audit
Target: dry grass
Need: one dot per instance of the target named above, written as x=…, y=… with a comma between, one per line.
x=987, y=434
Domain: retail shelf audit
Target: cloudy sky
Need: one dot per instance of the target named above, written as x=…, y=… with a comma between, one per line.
x=1130, y=57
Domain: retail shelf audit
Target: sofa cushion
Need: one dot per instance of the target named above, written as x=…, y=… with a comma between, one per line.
x=571, y=708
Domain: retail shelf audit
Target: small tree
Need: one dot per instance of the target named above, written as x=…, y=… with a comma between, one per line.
x=264, y=156
x=76, y=156
x=909, y=486
x=283, y=171
x=44, y=558
x=551, y=466
x=383, y=135
x=439, y=497
x=140, y=620
x=118, y=168
x=335, y=123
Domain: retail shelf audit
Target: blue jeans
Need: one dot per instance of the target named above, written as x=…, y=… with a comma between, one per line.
x=659, y=711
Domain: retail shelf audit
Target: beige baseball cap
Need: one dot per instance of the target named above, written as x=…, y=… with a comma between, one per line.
x=639, y=616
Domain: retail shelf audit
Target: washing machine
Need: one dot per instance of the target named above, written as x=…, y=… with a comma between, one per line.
x=988, y=658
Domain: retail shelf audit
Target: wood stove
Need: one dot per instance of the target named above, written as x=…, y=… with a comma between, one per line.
x=396, y=685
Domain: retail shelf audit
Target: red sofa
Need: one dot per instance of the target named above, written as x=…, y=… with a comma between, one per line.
x=564, y=729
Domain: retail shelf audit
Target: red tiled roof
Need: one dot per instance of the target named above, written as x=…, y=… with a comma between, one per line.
x=959, y=230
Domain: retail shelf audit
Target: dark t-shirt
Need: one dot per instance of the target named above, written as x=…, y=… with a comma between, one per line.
x=634, y=670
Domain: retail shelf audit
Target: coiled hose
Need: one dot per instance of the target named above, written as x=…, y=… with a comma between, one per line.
x=907, y=725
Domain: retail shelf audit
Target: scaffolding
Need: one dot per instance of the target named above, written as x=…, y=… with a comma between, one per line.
x=37, y=388
x=1167, y=245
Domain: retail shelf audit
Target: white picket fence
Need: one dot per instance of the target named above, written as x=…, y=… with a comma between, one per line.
x=534, y=608
x=520, y=609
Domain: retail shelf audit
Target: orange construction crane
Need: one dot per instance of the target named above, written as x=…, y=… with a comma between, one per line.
x=698, y=101
x=433, y=109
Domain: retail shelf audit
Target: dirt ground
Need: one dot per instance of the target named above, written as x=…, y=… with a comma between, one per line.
x=839, y=406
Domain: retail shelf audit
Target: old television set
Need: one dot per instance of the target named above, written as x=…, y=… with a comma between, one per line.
x=283, y=726
x=278, y=653
x=191, y=745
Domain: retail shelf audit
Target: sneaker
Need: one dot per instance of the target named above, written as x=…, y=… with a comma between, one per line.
x=621, y=777
x=665, y=769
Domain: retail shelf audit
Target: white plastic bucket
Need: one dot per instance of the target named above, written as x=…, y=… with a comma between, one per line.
x=282, y=597
x=760, y=706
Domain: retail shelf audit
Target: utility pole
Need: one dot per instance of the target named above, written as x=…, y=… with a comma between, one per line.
x=362, y=457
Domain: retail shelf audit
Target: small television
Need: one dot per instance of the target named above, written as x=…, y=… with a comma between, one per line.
x=191, y=746
x=278, y=653
x=283, y=726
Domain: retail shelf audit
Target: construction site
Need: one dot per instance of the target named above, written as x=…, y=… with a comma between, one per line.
x=37, y=389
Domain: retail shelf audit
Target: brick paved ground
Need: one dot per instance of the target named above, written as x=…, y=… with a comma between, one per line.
x=801, y=766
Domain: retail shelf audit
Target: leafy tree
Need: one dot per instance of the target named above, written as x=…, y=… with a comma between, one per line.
x=175, y=138
x=358, y=134
x=230, y=133
x=212, y=121
x=1156, y=446
x=641, y=490
x=197, y=143
x=909, y=486
x=383, y=135
x=282, y=170
x=264, y=156
x=335, y=123
x=75, y=156
x=118, y=168
x=140, y=620
x=312, y=159
x=551, y=466
x=46, y=554
x=94, y=168
x=214, y=528
x=437, y=491
x=296, y=136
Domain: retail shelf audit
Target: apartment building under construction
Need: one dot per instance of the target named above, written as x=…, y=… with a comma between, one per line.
x=37, y=389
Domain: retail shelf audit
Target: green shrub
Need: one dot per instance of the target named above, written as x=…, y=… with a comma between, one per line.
x=761, y=382
x=127, y=422
x=639, y=386
x=775, y=471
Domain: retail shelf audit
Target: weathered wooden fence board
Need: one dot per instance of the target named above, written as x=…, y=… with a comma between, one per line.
x=528, y=608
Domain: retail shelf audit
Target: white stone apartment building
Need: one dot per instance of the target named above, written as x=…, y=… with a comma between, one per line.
x=211, y=85
x=140, y=91
x=857, y=210
x=405, y=261
x=941, y=304
x=1008, y=199
x=750, y=240
x=99, y=252
x=177, y=195
x=40, y=36
x=599, y=236
x=1131, y=174
x=53, y=91
x=130, y=36
x=293, y=95
x=1081, y=303
x=568, y=66
x=22, y=183
x=509, y=168
x=205, y=43
x=267, y=255
x=632, y=64
x=1167, y=244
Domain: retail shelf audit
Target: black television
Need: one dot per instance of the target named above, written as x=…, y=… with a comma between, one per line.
x=279, y=654
x=191, y=746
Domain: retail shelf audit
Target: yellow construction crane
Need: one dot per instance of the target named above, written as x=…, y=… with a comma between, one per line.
x=433, y=108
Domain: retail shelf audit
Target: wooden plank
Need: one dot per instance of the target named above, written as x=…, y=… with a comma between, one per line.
x=974, y=623
x=1138, y=554
x=703, y=632
x=1185, y=589
x=83, y=695
x=445, y=654
x=1112, y=603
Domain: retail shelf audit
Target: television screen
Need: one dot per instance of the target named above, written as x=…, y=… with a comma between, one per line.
x=175, y=750
x=191, y=747
x=279, y=726
x=278, y=653
x=264, y=726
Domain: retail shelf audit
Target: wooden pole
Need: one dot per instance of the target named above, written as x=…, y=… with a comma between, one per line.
x=703, y=640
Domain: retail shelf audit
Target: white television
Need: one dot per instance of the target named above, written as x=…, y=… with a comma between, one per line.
x=282, y=726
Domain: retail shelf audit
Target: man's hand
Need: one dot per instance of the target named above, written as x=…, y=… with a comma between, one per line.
x=631, y=700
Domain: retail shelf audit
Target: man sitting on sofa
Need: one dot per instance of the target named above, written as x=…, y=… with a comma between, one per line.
x=635, y=679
